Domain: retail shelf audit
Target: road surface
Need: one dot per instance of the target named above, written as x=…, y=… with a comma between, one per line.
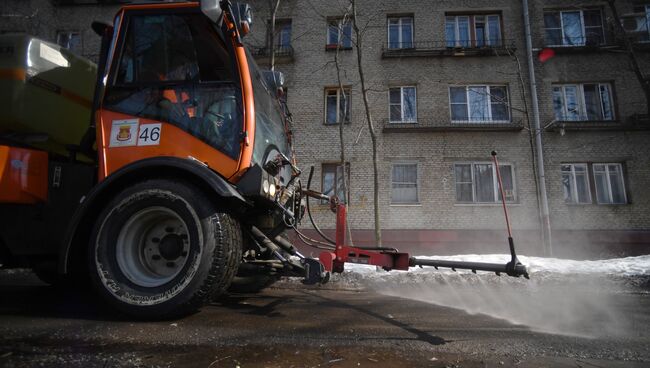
x=292, y=326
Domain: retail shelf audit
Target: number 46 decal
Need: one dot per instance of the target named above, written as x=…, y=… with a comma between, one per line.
x=149, y=135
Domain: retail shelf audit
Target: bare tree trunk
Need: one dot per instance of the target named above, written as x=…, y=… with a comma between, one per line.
x=371, y=128
x=271, y=32
x=629, y=48
x=344, y=173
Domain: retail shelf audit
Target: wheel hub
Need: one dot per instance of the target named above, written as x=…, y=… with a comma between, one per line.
x=152, y=246
x=171, y=247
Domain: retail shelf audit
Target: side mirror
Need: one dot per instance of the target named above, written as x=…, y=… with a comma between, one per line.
x=211, y=9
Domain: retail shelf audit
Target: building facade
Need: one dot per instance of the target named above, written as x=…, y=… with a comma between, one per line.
x=448, y=82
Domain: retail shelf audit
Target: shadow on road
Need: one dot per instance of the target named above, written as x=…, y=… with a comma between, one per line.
x=420, y=335
x=54, y=302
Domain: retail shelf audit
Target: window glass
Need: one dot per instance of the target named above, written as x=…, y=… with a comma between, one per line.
x=332, y=112
x=283, y=33
x=333, y=181
x=394, y=33
x=484, y=179
x=558, y=103
x=479, y=30
x=608, y=112
x=395, y=101
x=616, y=183
x=592, y=102
x=499, y=103
x=400, y=32
x=409, y=104
x=450, y=31
x=173, y=69
x=494, y=28
x=407, y=32
x=477, y=183
x=602, y=189
x=464, y=187
x=463, y=31
x=337, y=106
x=568, y=102
x=478, y=103
x=593, y=27
x=572, y=26
x=404, y=183
x=572, y=103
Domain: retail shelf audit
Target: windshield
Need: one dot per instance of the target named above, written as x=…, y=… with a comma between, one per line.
x=173, y=68
x=270, y=131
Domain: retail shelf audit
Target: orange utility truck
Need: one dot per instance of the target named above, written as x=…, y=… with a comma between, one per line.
x=149, y=183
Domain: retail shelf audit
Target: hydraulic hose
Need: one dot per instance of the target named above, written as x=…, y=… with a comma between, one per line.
x=311, y=219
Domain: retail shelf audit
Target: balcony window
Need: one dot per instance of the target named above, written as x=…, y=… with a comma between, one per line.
x=580, y=102
x=476, y=182
x=282, y=37
x=479, y=104
x=339, y=34
x=575, y=184
x=473, y=30
x=574, y=28
x=402, y=105
x=69, y=40
x=404, y=183
x=400, y=32
x=337, y=105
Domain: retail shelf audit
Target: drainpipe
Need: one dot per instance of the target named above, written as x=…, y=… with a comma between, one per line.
x=539, y=148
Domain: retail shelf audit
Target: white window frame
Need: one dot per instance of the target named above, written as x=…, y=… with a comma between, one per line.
x=489, y=95
x=574, y=186
x=402, y=109
x=471, y=22
x=400, y=42
x=347, y=92
x=340, y=25
x=495, y=182
x=417, y=183
x=582, y=25
x=609, y=182
x=582, y=104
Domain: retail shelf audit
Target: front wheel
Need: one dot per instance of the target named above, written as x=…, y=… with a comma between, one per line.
x=161, y=249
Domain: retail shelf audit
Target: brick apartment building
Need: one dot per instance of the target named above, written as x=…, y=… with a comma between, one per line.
x=448, y=83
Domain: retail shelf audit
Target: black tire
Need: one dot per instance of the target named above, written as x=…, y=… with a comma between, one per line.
x=161, y=249
x=251, y=284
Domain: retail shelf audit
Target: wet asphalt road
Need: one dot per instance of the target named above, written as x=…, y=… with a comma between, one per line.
x=292, y=327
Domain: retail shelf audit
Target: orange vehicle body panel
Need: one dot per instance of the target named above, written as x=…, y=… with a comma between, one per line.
x=23, y=175
x=173, y=141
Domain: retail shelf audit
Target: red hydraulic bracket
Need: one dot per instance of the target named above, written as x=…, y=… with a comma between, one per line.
x=334, y=261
